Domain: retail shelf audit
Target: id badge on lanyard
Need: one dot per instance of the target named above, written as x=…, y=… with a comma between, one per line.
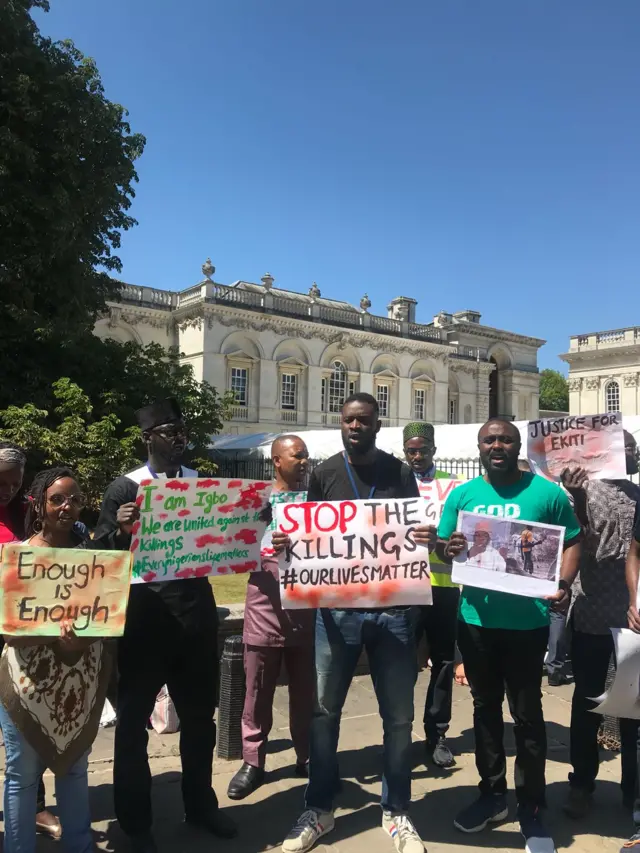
x=352, y=479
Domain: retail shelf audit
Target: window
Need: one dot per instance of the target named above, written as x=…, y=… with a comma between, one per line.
x=453, y=410
x=419, y=404
x=337, y=386
x=288, y=391
x=612, y=393
x=382, y=395
x=239, y=384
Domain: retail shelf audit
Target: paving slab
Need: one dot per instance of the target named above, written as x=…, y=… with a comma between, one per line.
x=265, y=818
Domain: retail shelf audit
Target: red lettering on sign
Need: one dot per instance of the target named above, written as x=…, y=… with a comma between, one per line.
x=241, y=568
x=207, y=484
x=185, y=573
x=134, y=544
x=148, y=576
x=234, y=484
x=184, y=512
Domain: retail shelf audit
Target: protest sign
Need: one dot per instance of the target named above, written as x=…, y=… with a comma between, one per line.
x=622, y=699
x=435, y=492
x=353, y=554
x=592, y=442
x=520, y=557
x=194, y=527
x=42, y=587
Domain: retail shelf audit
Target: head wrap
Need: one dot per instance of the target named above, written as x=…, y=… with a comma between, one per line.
x=418, y=429
x=158, y=413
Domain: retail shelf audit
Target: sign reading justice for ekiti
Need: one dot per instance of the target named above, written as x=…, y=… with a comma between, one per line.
x=592, y=442
x=353, y=554
x=42, y=587
x=192, y=527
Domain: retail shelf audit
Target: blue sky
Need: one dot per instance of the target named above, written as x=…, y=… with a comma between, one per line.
x=480, y=154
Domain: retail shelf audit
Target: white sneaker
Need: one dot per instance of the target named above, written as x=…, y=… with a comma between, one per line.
x=403, y=832
x=310, y=826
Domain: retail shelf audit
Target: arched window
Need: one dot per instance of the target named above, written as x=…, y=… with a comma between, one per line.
x=337, y=386
x=612, y=396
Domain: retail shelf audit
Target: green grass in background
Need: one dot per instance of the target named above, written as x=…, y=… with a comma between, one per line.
x=229, y=589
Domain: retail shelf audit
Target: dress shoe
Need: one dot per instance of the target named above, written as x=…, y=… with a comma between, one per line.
x=557, y=679
x=48, y=824
x=247, y=780
x=142, y=842
x=216, y=822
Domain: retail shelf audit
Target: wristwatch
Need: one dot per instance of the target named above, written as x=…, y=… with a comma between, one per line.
x=562, y=584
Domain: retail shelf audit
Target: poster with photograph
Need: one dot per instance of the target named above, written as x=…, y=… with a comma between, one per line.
x=519, y=557
x=592, y=442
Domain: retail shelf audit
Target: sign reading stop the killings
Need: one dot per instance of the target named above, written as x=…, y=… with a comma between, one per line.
x=194, y=527
x=353, y=554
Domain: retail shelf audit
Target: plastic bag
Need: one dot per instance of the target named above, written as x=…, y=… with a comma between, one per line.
x=108, y=717
x=164, y=717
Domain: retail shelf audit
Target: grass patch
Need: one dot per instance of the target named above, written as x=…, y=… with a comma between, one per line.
x=229, y=589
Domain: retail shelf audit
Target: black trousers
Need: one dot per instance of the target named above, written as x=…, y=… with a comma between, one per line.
x=439, y=623
x=187, y=662
x=590, y=655
x=495, y=659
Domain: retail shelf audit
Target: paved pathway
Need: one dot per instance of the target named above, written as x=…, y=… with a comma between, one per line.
x=265, y=818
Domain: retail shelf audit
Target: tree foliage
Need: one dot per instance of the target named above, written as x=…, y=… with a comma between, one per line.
x=67, y=172
x=554, y=391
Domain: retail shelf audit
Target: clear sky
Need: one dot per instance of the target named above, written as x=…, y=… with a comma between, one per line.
x=481, y=154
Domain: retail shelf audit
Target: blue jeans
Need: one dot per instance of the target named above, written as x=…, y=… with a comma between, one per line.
x=24, y=767
x=388, y=637
x=557, y=653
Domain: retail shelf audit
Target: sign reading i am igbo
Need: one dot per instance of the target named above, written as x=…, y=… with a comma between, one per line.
x=194, y=527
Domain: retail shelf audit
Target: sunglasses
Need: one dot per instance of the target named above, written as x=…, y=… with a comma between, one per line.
x=58, y=500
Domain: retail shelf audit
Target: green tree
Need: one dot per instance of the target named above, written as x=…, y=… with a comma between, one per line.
x=554, y=391
x=90, y=447
x=66, y=181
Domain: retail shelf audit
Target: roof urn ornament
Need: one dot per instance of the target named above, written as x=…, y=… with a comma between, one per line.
x=267, y=281
x=208, y=269
x=365, y=303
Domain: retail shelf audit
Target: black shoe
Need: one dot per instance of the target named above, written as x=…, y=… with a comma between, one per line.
x=557, y=679
x=216, y=822
x=142, y=842
x=578, y=804
x=302, y=769
x=486, y=809
x=247, y=780
x=536, y=836
x=438, y=753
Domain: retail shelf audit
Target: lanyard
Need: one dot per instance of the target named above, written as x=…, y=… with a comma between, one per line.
x=356, y=490
x=155, y=476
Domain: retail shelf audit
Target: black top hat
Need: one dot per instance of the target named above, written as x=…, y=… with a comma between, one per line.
x=160, y=412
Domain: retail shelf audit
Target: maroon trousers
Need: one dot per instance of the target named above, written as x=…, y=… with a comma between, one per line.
x=262, y=667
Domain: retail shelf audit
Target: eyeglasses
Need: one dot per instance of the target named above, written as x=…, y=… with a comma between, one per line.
x=58, y=500
x=411, y=451
x=170, y=432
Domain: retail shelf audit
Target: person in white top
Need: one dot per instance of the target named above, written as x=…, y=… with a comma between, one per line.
x=482, y=554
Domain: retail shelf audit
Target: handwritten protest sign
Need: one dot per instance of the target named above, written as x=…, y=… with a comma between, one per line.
x=353, y=554
x=592, y=442
x=42, y=587
x=194, y=527
x=436, y=492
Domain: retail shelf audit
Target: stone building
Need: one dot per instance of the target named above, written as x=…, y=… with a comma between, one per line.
x=291, y=358
x=603, y=372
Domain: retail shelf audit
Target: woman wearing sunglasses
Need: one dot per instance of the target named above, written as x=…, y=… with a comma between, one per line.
x=51, y=691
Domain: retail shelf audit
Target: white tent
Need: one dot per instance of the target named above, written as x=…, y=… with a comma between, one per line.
x=457, y=441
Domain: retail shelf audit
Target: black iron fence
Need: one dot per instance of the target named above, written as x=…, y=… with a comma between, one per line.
x=261, y=468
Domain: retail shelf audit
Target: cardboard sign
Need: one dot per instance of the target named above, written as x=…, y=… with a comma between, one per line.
x=42, y=587
x=275, y=498
x=194, y=527
x=436, y=492
x=592, y=442
x=353, y=554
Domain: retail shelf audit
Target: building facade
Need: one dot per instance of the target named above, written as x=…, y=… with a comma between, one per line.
x=291, y=358
x=603, y=372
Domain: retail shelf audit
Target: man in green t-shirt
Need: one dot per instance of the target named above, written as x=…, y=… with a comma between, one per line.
x=438, y=621
x=503, y=637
